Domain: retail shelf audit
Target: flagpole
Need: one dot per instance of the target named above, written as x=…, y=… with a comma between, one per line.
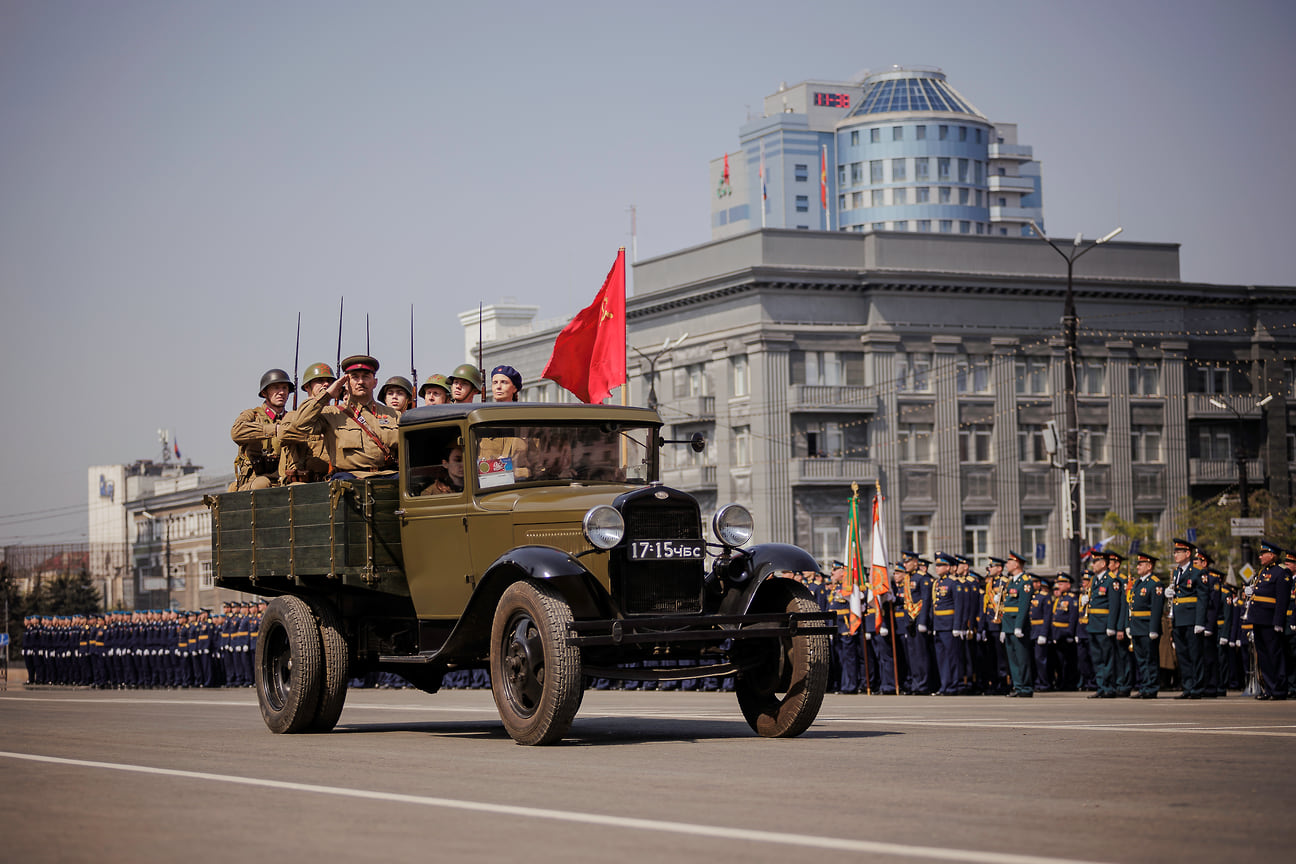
x=895, y=663
x=855, y=566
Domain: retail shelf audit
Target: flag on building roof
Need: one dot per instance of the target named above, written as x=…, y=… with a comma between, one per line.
x=823, y=178
x=589, y=356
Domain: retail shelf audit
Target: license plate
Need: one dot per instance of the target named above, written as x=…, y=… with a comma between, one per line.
x=666, y=550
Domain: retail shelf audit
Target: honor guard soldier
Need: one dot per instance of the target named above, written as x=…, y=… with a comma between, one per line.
x=1210, y=667
x=305, y=460
x=917, y=608
x=465, y=383
x=435, y=390
x=1144, y=617
x=1105, y=604
x=1187, y=593
x=947, y=604
x=993, y=654
x=256, y=432
x=1266, y=611
x=879, y=631
x=846, y=644
x=360, y=433
x=1065, y=616
x=1084, y=660
x=1016, y=624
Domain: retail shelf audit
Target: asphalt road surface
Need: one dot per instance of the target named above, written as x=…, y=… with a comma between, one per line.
x=664, y=776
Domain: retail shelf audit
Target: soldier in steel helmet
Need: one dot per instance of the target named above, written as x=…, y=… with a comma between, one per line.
x=256, y=432
x=435, y=390
x=359, y=435
x=303, y=458
x=397, y=394
x=465, y=383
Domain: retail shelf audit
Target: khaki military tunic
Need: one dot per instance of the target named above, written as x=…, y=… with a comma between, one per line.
x=347, y=446
x=304, y=458
x=256, y=431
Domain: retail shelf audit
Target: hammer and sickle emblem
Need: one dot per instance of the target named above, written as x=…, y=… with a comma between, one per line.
x=605, y=313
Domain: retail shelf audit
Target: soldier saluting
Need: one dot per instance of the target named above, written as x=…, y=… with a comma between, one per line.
x=359, y=434
x=256, y=433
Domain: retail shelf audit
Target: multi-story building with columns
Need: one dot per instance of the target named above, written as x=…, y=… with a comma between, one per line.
x=932, y=365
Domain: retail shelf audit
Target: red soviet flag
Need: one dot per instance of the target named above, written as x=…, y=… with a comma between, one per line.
x=589, y=356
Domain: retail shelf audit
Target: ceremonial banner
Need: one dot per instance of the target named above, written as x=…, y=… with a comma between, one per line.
x=589, y=356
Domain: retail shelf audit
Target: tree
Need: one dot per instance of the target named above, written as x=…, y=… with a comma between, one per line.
x=67, y=594
x=1214, y=533
x=1124, y=533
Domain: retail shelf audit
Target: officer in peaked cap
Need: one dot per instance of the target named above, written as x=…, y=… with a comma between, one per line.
x=947, y=604
x=1214, y=586
x=1289, y=563
x=1016, y=624
x=1066, y=620
x=1188, y=595
x=359, y=434
x=1122, y=652
x=1146, y=597
x=1268, y=596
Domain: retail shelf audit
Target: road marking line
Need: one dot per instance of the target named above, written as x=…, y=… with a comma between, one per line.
x=1093, y=727
x=657, y=825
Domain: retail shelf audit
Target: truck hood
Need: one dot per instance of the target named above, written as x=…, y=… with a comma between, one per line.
x=551, y=503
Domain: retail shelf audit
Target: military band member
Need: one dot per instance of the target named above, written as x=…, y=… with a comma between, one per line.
x=1041, y=627
x=1214, y=587
x=1187, y=593
x=1266, y=611
x=947, y=609
x=256, y=432
x=305, y=460
x=360, y=433
x=1144, y=623
x=992, y=666
x=1016, y=626
x=879, y=634
x=846, y=644
x=1084, y=659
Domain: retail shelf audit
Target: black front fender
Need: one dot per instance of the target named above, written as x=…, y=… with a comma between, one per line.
x=757, y=564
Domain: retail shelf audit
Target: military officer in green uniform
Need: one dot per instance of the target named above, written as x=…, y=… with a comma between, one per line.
x=1105, y=604
x=256, y=432
x=1187, y=592
x=1016, y=626
x=1144, y=623
x=360, y=433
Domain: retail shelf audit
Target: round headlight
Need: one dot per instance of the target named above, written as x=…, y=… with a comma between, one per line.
x=733, y=525
x=604, y=526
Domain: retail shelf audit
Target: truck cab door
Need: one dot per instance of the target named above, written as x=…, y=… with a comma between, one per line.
x=435, y=508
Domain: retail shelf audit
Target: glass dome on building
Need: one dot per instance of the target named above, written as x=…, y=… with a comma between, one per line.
x=910, y=90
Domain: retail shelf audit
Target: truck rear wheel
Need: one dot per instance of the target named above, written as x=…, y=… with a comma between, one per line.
x=334, y=676
x=288, y=674
x=780, y=696
x=535, y=675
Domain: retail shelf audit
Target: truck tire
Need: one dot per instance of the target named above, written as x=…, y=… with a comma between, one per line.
x=781, y=695
x=288, y=660
x=535, y=675
x=333, y=680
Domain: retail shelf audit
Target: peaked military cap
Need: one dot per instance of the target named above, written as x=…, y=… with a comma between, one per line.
x=946, y=558
x=1184, y=544
x=909, y=556
x=999, y=561
x=359, y=362
x=1151, y=559
x=1272, y=548
x=1201, y=553
x=1113, y=555
x=1019, y=559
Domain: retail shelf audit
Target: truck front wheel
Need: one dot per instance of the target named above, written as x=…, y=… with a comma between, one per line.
x=780, y=695
x=288, y=673
x=535, y=675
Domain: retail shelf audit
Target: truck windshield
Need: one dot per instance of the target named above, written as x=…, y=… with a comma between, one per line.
x=585, y=453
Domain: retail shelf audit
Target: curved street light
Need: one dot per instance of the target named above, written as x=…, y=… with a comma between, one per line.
x=1239, y=453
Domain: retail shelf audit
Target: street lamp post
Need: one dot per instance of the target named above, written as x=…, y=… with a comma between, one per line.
x=666, y=348
x=1239, y=453
x=1072, y=432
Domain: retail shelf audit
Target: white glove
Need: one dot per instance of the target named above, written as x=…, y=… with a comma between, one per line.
x=1169, y=592
x=1208, y=633
x=922, y=628
x=1248, y=590
x=1128, y=634
x=882, y=631
x=1198, y=629
x=1003, y=637
x=1251, y=637
x=1278, y=628
x=1111, y=632
x=1017, y=631
x=1224, y=641
x=958, y=634
x=1041, y=640
x=1154, y=635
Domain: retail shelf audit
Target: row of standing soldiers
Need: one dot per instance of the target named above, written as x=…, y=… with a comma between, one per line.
x=942, y=629
x=145, y=648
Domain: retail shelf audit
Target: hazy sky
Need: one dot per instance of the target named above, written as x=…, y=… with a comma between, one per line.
x=179, y=180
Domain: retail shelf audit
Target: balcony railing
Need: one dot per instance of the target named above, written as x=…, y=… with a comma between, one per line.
x=1003, y=183
x=1223, y=471
x=690, y=477
x=816, y=396
x=691, y=407
x=1011, y=151
x=1200, y=407
x=832, y=470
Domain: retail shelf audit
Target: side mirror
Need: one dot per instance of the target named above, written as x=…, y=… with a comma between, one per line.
x=698, y=442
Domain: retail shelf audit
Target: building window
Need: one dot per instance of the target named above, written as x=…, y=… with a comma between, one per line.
x=965, y=227
x=947, y=226
x=826, y=536
x=1147, y=484
x=897, y=170
x=976, y=537
x=922, y=167
x=920, y=132
x=878, y=198
x=801, y=173
x=741, y=445
x=834, y=439
x=1032, y=376
x=978, y=135
x=1093, y=444
x=943, y=168
x=963, y=198
x=1030, y=443
x=841, y=202
x=916, y=531
x=924, y=225
x=962, y=133
x=857, y=200
x=875, y=135
x=913, y=372
x=803, y=203
x=1216, y=378
x=922, y=194
x=857, y=173
x=1091, y=377
x=897, y=133
x=1145, y=443
x=1097, y=485
x=945, y=194
x=898, y=196
x=913, y=440
x=841, y=175
x=978, y=172
x=972, y=374
x=206, y=580
x=739, y=375
x=875, y=171
x=1215, y=442
x=1003, y=202
x=974, y=443
x=1145, y=378
x=1034, y=536
x=963, y=170
x=943, y=132
x=901, y=225
x=854, y=138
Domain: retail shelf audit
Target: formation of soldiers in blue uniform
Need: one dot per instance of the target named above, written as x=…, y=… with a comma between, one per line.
x=943, y=629
x=140, y=649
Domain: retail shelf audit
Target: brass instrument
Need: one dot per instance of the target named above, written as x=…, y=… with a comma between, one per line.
x=998, y=588
x=910, y=605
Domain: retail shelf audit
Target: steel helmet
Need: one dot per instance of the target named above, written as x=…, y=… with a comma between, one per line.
x=317, y=371
x=274, y=376
x=396, y=381
x=434, y=381
x=469, y=373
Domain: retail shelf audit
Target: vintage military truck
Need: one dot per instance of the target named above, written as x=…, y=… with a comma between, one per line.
x=534, y=540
